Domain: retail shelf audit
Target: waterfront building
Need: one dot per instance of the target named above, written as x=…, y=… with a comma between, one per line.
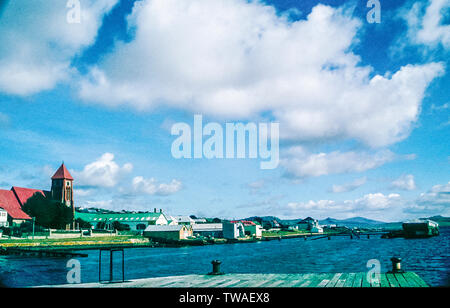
x=233, y=230
x=208, y=229
x=200, y=221
x=171, y=221
x=308, y=224
x=3, y=218
x=133, y=221
x=12, y=201
x=250, y=228
x=168, y=233
x=184, y=220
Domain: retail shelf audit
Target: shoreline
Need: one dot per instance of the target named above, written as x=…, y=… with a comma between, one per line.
x=124, y=241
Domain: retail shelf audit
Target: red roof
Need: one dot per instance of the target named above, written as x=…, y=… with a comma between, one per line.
x=9, y=203
x=62, y=173
x=245, y=222
x=23, y=194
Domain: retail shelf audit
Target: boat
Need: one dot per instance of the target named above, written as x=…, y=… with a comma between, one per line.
x=420, y=228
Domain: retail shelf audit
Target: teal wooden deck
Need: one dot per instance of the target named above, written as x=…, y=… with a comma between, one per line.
x=327, y=280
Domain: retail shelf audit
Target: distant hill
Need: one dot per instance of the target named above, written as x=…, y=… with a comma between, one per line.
x=353, y=222
x=441, y=220
x=359, y=222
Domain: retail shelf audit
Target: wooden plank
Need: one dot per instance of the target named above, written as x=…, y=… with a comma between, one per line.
x=209, y=282
x=408, y=279
x=401, y=281
x=255, y=282
x=393, y=283
x=384, y=283
x=306, y=280
x=341, y=281
x=411, y=282
x=357, y=283
x=318, y=278
x=293, y=280
x=349, y=281
x=334, y=280
x=417, y=279
x=365, y=283
x=227, y=284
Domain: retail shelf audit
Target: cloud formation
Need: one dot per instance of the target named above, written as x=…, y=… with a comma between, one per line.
x=425, y=24
x=349, y=186
x=38, y=43
x=237, y=58
x=300, y=163
x=369, y=203
x=434, y=202
x=405, y=182
x=104, y=172
x=152, y=187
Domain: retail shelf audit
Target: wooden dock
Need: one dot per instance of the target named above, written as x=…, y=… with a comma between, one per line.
x=326, y=280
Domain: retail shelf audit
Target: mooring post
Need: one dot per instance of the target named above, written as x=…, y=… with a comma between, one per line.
x=396, y=265
x=329, y=237
x=368, y=236
x=216, y=268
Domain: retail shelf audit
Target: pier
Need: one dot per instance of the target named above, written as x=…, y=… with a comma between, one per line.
x=313, y=280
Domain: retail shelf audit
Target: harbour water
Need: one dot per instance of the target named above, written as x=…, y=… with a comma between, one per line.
x=429, y=258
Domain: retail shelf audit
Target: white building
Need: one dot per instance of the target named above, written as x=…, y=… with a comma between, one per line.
x=184, y=220
x=3, y=218
x=316, y=229
x=213, y=229
x=233, y=230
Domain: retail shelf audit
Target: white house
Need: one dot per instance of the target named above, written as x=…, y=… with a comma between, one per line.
x=3, y=218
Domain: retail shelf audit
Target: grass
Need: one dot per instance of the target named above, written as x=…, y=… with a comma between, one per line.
x=104, y=240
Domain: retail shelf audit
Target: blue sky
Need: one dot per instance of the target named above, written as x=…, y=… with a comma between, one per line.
x=363, y=107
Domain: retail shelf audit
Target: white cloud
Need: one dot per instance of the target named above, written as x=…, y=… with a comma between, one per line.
x=104, y=172
x=377, y=201
x=237, y=58
x=434, y=202
x=38, y=43
x=427, y=28
x=349, y=186
x=300, y=163
x=368, y=204
x=404, y=182
x=152, y=187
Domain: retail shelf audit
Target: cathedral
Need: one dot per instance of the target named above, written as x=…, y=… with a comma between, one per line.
x=12, y=201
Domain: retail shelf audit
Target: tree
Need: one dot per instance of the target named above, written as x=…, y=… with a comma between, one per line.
x=47, y=212
x=83, y=224
x=120, y=227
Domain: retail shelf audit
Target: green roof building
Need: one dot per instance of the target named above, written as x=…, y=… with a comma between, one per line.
x=136, y=221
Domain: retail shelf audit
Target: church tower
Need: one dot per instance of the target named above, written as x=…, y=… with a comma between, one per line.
x=62, y=187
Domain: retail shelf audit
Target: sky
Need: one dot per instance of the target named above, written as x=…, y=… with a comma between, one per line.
x=363, y=107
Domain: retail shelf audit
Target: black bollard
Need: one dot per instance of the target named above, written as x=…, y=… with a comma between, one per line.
x=396, y=265
x=216, y=268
